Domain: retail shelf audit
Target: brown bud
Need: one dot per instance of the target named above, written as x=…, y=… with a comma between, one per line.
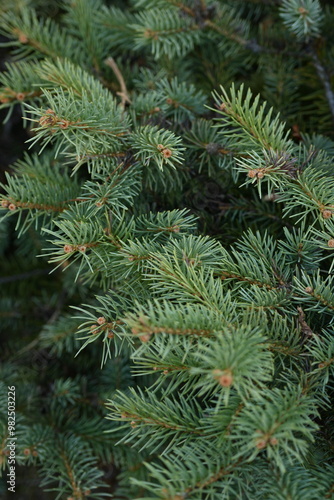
x=26, y=452
x=169, y=100
x=49, y=112
x=99, y=204
x=167, y=153
x=260, y=175
x=47, y=120
x=330, y=243
x=222, y=106
x=274, y=441
x=308, y=289
x=321, y=365
x=160, y=147
x=303, y=11
x=262, y=443
x=110, y=335
x=252, y=173
x=101, y=320
x=11, y=207
x=82, y=248
x=145, y=338
x=327, y=214
x=63, y=124
x=4, y=203
x=150, y=34
x=35, y=453
x=133, y=424
x=165, y=372
x=23, y=38
x=68, y=248
x=226, y=379
x=20, y=96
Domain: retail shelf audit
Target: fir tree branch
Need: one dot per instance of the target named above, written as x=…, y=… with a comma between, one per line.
x=227, y=275
x=223, y=471
x=320, y=298
x=138, y=419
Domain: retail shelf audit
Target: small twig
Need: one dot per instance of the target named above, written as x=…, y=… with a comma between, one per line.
x=322, y=74
x=124, y=92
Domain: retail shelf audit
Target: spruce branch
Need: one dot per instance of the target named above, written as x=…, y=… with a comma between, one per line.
x=208, y=304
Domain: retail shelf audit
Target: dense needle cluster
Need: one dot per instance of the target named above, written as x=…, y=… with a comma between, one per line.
x=167, y=245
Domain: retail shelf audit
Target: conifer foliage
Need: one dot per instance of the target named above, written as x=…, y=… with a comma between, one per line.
x=167, y=247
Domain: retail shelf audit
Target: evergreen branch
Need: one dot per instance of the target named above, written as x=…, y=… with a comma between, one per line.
x=75, y=477
x=309, y=195
x=203, y=14
x=84, y=124
x=254, y=123
x=227, y=275
x=303, y=19
x=9, y=201
x=80, y=18
x=182, y=101
x=245, y=267
x=225, y=361
x=214, y=331
x=32, y=189
x=43, y=36
x=72, y=77
x=317, y=291
x=18, y=82
x=321, y=351
x=181, y=474
x=278, y=431
x=159, y=145
x=165, y=31
x=157, y=419
x=223, y=471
